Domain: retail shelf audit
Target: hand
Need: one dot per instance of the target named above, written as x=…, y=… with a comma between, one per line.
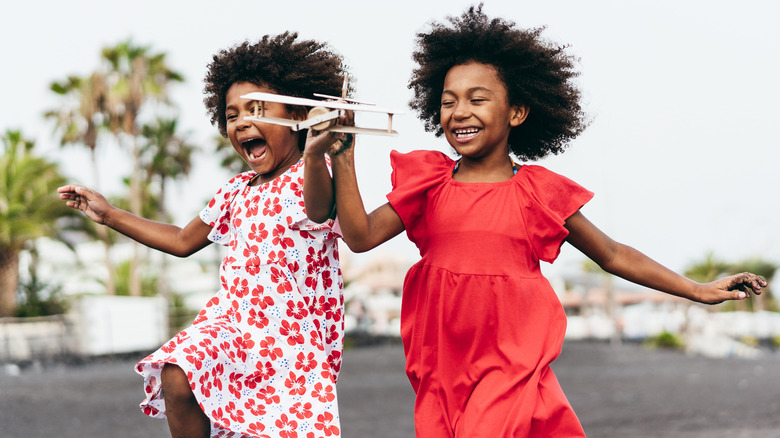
x=92, y=203
x=331, y=143
x=734, y=287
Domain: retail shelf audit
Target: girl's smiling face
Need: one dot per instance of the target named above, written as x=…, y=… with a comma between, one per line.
x=267, y=148
x=475, y=112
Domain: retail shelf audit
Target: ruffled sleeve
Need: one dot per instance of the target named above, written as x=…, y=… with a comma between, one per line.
x=552, y=199
x=217, y=213
x=415, y=177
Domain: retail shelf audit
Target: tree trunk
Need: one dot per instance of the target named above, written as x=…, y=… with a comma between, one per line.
x=102, y=233
x=9, y=280
x=135, y=208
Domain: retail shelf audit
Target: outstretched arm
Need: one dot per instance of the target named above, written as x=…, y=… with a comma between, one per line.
x=168, y=238
x=630, y=264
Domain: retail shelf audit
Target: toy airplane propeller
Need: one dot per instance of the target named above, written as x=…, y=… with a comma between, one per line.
x=323, y=115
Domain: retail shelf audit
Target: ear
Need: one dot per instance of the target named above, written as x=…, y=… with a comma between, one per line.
x=519, y=114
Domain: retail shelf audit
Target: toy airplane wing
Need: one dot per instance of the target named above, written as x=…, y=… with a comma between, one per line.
x=322, y=115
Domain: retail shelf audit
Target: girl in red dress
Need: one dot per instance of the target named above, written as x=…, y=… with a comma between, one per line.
x=480, y=324
x=262, y=357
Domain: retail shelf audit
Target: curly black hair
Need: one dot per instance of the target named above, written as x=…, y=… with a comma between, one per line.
x=281, y=63
x=536, y=73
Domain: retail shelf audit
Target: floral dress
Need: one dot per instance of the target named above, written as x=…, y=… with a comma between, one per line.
x=479, y=322
x=264, y=354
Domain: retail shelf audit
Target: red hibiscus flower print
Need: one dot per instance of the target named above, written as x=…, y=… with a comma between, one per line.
x=292, y=332
x=240, y=287
x=287, y=427
x=209, y=330
x=277, y=258
x=257, y=232
x=268, y=395
x=305, y=363
x=205, y=385
x=323, y=393
x=318, y=305
x=297, y=188
x=335, y=361
x=272, y=207
x=219, y=416
x=256, y=428
x=313, y=260
x=256, y=409
x=235, y=385
x=237, y=415
x=325, y=424
x=210, y=350
x=268, y=348
x=301, y=410
x=252, y=206
x=296, y=384
x=257, y=319
x=259, y=300
x=280, y=239
x=316, y=340
x=331, y=334
x=327, y=282
x=265, y=371
x=297, y=309
x=194, y=356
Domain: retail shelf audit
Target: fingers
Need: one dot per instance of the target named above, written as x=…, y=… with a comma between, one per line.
x=746, y=280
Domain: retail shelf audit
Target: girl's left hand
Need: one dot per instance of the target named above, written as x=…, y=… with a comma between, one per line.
x=734, y=287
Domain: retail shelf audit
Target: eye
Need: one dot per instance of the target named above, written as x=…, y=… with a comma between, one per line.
x=447, y=103
x=478, y=100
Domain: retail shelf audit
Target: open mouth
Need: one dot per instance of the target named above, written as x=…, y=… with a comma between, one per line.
x=465, y=133
x=254, y=147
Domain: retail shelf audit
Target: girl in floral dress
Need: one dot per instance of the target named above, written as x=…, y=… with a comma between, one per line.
x=479, y=322
x=262, y=357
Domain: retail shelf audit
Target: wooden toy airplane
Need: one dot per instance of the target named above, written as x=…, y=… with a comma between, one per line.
x=323, y=115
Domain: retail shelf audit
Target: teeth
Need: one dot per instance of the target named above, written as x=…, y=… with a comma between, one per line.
x=466, y=132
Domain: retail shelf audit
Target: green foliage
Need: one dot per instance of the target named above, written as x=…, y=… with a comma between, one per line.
x=36, y=298
x=30, y=207
x=665, y=340
x=148, y=281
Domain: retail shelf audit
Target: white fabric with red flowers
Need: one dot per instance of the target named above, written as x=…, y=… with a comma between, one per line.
x=264, y=355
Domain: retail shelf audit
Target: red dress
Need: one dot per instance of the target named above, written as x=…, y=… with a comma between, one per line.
x=480, y=324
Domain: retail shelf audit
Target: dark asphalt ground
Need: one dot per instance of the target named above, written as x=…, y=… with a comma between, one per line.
x=625, y=391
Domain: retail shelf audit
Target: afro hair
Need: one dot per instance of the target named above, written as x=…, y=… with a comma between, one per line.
x=281, y=63
x=536, y=73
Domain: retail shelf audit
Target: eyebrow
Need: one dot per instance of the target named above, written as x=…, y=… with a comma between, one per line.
x=470, y=90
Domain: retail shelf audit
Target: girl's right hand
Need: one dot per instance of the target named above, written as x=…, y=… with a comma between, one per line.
x=92, y=203
x=331, y=143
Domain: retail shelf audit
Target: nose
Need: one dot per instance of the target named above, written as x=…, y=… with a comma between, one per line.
x=461, y=110
x=242, y=122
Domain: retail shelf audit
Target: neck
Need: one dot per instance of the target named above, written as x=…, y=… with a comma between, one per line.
x=494, y=170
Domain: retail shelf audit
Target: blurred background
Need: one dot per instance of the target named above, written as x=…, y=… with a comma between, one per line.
x=682, y=154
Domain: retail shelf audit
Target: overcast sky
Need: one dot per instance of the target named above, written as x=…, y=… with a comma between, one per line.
x=682, y=153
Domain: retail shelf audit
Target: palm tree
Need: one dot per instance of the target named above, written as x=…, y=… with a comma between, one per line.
x=134, y=75
x=79, y=121
x=168, y=156
x=29, y=208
